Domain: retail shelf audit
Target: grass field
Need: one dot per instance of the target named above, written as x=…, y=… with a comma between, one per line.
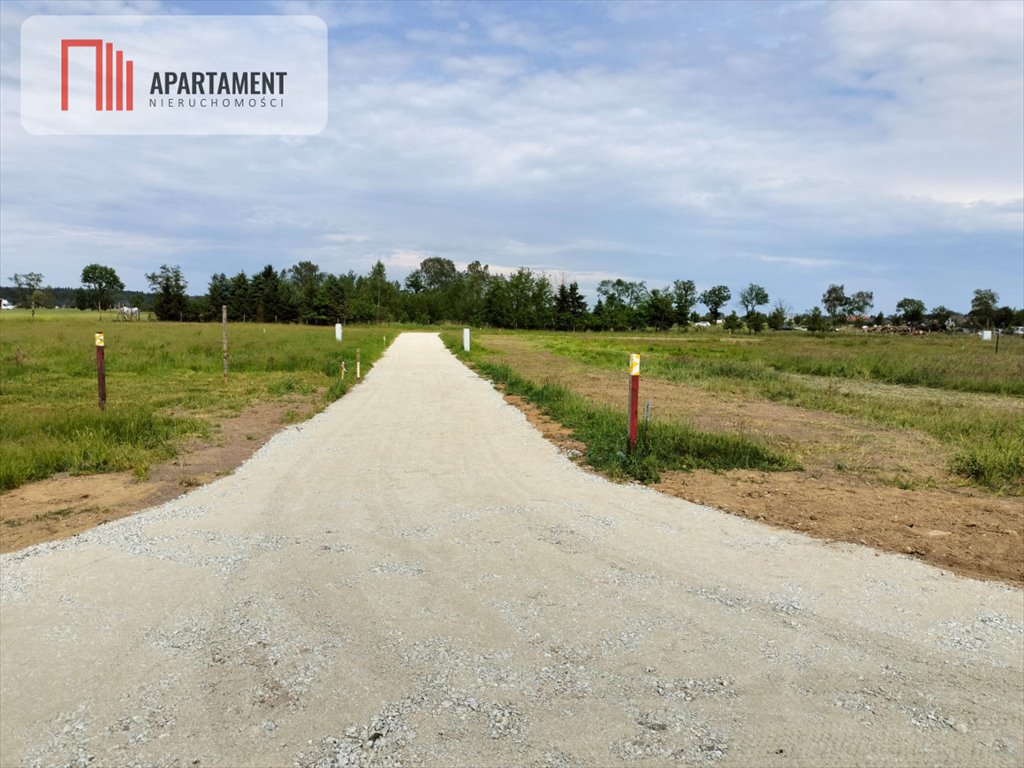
x=954, y=388
x=956, y=362
x=164, y=385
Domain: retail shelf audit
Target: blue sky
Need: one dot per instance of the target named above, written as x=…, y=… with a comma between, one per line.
x=877, y=145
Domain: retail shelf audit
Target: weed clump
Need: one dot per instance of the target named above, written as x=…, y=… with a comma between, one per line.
x=661, y=445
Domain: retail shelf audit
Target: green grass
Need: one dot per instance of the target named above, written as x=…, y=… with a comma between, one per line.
x=957, y=362
x=954, y=388
x=661, y=445
x=164, y=385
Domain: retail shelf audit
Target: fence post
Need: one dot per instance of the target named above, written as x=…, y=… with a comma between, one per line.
x=359, y=372
x=634, y=398
x=465, y=339
x=224, y=337
x=337, y=332
x=101, y=371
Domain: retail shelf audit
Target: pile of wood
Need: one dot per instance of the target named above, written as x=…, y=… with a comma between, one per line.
x=896, y=330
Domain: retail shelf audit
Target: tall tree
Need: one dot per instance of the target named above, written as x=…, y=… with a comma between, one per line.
x=102, y=284
x=659, y=310
x=332, y=300
x=577, y=305
x=520, y=294
x=437, y=273
x=438, y=290
x=684, y=297
x=714, y=299
x=623, y=303
x=911, y=310
x=542, y=302
x=271, y=298
x=566, y=303
x=414, y=282
x=306, y=278
x=983, y=306
x=28, y=285
x=169, y=286
x=523, y=300
x=378, y=292
x=834, y=300
x=497, y=303
x=474, y=288
x=752, y=297
x=779, y=314
x=859, y=303
x=1003, y=317
x=219, y=292
x=239, y=298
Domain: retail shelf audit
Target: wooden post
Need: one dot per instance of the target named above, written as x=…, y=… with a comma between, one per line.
x=998, y=334
x=634, y=398
x=224, y=337
x=101, y=371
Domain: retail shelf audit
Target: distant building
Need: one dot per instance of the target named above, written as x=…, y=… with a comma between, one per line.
x=5, y=304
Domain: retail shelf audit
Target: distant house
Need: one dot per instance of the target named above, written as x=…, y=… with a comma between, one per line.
x=5, y=304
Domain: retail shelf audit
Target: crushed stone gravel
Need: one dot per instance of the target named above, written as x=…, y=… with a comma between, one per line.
x=416, y=578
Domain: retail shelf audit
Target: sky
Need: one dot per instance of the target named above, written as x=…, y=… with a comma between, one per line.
x=878, y=145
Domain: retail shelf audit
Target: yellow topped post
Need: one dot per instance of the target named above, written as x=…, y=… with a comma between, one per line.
x=634, y=397
x=101, y=371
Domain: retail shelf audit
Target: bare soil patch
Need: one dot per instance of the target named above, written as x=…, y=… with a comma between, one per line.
x=861, y=483
x=65, y=505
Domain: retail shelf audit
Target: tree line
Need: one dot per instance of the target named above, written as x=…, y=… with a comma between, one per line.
x=437, y=292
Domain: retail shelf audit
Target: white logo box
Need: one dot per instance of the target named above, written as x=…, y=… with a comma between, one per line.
x=229, y=75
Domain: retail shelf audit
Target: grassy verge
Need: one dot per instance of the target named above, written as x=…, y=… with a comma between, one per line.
x=985, y=431
x=164, y=385
x=661, y=445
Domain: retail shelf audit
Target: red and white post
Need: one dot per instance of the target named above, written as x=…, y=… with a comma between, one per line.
x=634, y=398
x=101, y=371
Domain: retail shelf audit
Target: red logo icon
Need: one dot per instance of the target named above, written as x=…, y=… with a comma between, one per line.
x=114, y=91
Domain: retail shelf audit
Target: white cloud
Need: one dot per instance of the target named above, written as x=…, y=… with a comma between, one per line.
x=346, y=237
x=816, y=140
x=796, y=261
x=351, y=13
x=944, y=92
x=405, y=259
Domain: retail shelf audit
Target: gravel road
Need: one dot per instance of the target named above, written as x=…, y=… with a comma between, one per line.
x=415, y=577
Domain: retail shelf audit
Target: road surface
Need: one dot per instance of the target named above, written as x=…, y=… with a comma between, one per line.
x=416, y=577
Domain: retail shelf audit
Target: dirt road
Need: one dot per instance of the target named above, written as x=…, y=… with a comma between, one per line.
x=416, y=577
